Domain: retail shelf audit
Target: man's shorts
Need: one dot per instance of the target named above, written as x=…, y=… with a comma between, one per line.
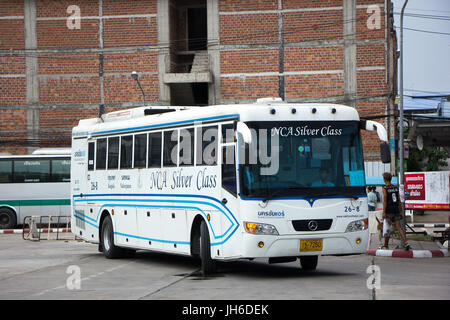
x=394, y=217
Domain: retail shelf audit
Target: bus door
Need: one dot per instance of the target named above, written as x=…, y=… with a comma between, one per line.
x=229, y=196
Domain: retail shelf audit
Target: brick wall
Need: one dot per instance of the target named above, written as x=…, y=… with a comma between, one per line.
x=68, y=66
x=312, y=59
x=72, y=81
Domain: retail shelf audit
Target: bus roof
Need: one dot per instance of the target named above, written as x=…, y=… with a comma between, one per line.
x=155, y=117
x=35, y=156
x=52, y=151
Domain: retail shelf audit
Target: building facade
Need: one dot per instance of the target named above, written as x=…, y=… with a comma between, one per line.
x=60, y=61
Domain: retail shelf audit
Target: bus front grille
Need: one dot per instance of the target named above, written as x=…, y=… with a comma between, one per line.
x=312, y=224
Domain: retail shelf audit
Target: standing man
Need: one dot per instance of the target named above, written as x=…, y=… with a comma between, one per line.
x=372, y=198
x=392, y=208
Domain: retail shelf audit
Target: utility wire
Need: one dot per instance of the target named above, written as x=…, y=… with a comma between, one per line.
x=425, y=31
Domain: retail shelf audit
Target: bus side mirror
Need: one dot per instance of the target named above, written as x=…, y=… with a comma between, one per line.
x=370, y=125
x=385, y=152
x=242, y=128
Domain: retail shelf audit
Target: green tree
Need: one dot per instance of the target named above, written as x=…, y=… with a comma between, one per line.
x=427, y=159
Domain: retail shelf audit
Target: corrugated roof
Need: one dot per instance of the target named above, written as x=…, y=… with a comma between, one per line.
x=423, y=101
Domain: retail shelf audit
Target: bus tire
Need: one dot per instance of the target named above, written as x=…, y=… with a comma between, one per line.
x=8, y=219
x=109, y=249
x=208, y=265
x=309, y=262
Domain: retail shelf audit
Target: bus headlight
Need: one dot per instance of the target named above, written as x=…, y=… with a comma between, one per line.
x=357, y=225
x=260, y=228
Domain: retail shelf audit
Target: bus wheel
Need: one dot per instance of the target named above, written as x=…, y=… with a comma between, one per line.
x=208, y=264
x=8, y=219
x=110, y=250
x=309, y=262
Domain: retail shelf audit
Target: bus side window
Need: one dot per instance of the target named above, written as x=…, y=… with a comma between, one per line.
x=91, y=154
x=170, y=148
x=229, y=170
x=186, y=147
x=154, y=150
x=207, y=144
x=140, y=150
x=228, y=133
x=113, y=153
x=100, y=161
x=33, y=170
x=126, y=152
x=6, y=171
x=60, y=170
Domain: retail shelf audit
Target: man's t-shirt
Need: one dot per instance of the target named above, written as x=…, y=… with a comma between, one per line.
x=392, y=199
x=372, y=197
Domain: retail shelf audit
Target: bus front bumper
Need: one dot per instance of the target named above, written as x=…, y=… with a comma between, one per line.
x=268, y=246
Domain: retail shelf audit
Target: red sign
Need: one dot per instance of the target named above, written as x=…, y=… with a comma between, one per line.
x=415, y=185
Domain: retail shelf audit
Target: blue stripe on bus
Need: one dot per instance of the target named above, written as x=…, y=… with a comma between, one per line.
x=76, y=215
x=150, y=239
x=159, y=206
x=165, y=124
x=156, y=206
x=158, y=195
x=179, y=207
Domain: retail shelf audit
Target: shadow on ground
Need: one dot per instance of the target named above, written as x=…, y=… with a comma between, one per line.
x=249, y=269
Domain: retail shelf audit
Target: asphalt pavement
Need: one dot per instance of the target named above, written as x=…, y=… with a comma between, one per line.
x=50, y=269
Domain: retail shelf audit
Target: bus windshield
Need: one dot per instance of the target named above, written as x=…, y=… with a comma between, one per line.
x=315, y=158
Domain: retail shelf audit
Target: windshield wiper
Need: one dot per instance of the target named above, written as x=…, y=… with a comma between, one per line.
x=334, y=193
x=309, y=193
x=270, y=195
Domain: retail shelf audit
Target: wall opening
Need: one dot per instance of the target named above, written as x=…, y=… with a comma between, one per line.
x=189, y=94
x=197, y=29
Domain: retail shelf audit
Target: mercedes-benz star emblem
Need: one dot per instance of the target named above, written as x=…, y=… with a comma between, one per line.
x=313, y=225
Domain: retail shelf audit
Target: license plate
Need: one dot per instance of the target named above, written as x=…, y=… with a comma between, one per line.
x=311, y=245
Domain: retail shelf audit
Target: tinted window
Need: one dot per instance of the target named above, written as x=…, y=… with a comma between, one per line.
x=317, y=157
x=140, y=150
x=154, y=149
x=60, y=170
x=32, y=170
x=207, y=144
x=5, y=171
x=228, y=133
x=229, y=170
x=113, y=153
x=126, y=152
x=186, y=147
x=100, y=162
x=170, y=148
x=91, y=149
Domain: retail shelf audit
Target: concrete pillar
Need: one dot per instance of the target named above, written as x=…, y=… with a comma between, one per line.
x=281, y=87
x=163, y=43
x=100, y=45
x=212, y=7
x=349, y=33
x=31, y=72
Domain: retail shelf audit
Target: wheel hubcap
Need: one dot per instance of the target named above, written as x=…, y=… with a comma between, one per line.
x=106, y=243
x=4, y=219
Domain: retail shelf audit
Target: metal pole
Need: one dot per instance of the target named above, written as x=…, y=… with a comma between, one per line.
x=401, y=142
x=140, y=87
x=135, y=77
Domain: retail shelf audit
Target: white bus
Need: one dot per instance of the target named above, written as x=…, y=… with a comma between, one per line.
x=211, y=181
x=34, y=185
